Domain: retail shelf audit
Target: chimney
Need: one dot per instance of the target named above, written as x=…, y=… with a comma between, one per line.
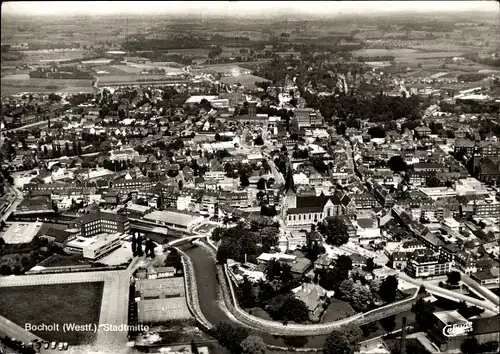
x=402, y=348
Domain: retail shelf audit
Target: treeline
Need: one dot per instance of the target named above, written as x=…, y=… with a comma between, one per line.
x=380, y=108
x=485, y=61
x=376, y=58
x=471, y=77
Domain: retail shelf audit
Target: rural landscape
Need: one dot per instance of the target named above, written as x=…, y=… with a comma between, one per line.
x=233, y=177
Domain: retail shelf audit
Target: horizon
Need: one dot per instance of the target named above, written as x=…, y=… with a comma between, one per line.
x=314, y=9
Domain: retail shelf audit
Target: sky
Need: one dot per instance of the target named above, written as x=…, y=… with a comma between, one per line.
x=237, y=8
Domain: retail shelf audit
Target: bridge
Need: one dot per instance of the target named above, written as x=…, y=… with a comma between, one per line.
x=184, y=239
x=452, y=295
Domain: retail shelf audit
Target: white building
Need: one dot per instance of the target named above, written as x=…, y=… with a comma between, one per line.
x=173, y=219
x=102, y=245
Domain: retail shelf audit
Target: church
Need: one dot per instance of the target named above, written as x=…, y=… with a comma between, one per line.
x=297, y=210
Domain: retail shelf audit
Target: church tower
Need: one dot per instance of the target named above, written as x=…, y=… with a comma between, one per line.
x=290, y=193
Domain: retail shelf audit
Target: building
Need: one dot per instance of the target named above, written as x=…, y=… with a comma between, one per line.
x=123, y=155
x=102, y=245
x=160, y=288
x=101, y=222
x=20, y=232
x=60, y=237
x=174, y=219
x=427, y=266
x=308, y=117
x=307, y=210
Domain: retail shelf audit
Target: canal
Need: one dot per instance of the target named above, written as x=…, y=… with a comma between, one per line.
x=209, y=302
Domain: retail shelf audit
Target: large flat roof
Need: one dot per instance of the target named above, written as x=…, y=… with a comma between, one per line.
x=20, y=232
x=164, y=286
x=172, y=217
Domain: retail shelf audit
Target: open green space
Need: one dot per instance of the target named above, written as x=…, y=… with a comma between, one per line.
x=78, y=303
x=337, y=310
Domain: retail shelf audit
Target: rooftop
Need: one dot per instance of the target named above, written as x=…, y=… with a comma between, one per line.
x=20, y=232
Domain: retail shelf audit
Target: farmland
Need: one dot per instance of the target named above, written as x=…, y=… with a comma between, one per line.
x=404, y=54
x=17, y=83
x=246, y=80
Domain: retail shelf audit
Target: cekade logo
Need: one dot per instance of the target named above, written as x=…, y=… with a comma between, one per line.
x=457, y=329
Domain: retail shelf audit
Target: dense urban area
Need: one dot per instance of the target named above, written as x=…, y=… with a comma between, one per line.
x=253, y=186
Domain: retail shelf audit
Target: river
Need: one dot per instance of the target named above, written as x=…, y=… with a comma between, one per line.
x=207, y=292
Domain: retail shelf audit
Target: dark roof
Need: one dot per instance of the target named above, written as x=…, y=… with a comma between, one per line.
x=101, y=215
x=303, y=210
x=486, y=325
x=58, y=234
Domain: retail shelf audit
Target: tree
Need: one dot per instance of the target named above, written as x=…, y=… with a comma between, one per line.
x=453, y=277
x=174, y=259
x=227, y=250
x=246, y=295
x=344, y=262
x=294, y=310
x=356, y=294
x=471, y=346
x=261, y=184
x=389, y=288
x=423, y=311
x=218, y=137
x=397, y=164
x=230, y=337
x=258, y=140
x=388, y=323
x=244, y=180
x=377, y=132
x=343, y=341
x=336, y=231
x=370, y=265
x=180, y=184
x=253, y=345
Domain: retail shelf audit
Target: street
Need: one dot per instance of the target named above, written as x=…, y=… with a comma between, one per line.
x=14, y=201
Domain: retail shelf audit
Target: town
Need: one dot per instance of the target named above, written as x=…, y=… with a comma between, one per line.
x=253, y=196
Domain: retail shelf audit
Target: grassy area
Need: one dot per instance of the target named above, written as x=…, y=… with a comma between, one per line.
x=257, y=311
x=58, y=260
x=376, y=328
x=337, y=310
x=246, y=80
x=78, y=303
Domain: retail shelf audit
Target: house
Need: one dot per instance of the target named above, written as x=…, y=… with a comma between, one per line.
x=358, y=261
x=58, y=236
x=161, y=272
x=323, y=262
x=313, y=296
x=488, y=277
x=300, y=266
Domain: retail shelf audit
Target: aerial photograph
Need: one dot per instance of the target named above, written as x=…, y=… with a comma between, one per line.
x=250, y=177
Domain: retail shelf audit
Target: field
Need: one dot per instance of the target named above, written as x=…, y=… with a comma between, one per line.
x=405, y=54
x=246, y=80
x=17, y=83
x=78, y=303
x=42, y=56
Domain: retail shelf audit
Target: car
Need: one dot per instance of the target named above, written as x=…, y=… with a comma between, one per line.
x=60, y=346
x=46, y=345
x=53, y=345
x=65, y=345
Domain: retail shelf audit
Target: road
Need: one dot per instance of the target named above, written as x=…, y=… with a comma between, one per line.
x=36, y=124
x=18, y=198
x=278, y=177
x=452, y=295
